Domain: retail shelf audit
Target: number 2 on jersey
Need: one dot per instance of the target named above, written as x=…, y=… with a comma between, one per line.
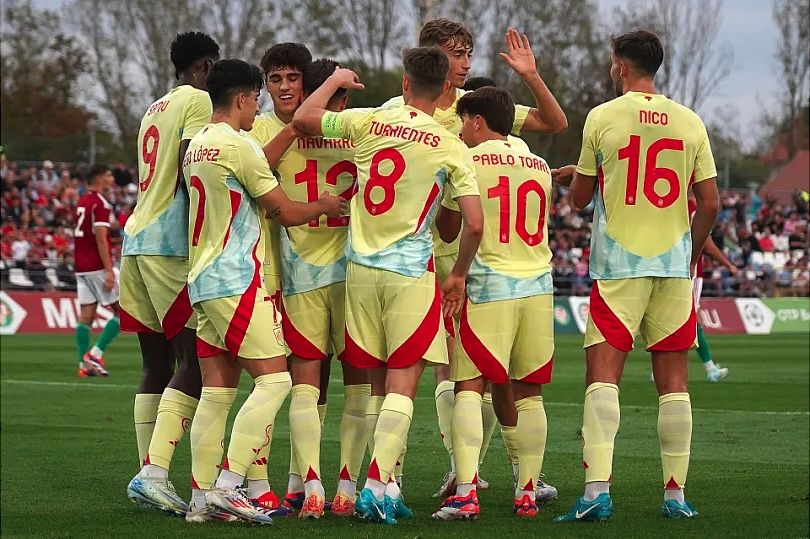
x=309, y=176
x=503, y=192
x=652, y=172
x=80, y=216
x=150, y=155
x=196, y=183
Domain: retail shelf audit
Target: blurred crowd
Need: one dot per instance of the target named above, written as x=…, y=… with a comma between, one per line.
x=765, y=240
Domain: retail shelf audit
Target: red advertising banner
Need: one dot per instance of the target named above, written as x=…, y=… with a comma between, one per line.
x=58, y=312
x=720, y=315
x=43, y=312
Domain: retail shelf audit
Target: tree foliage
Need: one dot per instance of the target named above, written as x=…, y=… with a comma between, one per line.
x=41, y=67
x=112, y=56
x=790, y=120
x=694, y=61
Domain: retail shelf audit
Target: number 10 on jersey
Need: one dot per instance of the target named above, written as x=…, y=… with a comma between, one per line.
x=503, y=192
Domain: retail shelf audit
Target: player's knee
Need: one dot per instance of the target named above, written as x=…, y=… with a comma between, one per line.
x=678, y=385
x=523, y=390
x=476, y=384
x=155, y=376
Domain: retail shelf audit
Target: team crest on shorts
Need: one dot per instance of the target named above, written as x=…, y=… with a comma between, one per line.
x=279, y=336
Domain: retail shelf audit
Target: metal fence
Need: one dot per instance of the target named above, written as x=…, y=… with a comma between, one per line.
x=762, y=281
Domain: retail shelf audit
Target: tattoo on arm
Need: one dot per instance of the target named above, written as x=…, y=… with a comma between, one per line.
x=274, y=213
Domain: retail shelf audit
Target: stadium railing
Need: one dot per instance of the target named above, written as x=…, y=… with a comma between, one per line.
x=764, y=280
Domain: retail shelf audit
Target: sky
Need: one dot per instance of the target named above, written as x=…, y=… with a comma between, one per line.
x=750, y=30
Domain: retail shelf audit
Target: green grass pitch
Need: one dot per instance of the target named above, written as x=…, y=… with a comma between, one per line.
x=68, y=451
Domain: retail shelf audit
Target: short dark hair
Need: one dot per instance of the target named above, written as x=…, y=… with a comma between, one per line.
x=96, y=171
x=642, y=48
x=495, y=105
x=189, y=47
x=474, y=83
x=289, y=55
x=227, y=77
x=427, y=69
x=438, y=32
x=316, y=74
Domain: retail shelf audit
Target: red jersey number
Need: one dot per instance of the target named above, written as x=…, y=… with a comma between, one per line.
x=309, y=176
x=149, y=151
x=652, y=172
x=503, y=193
x=386, y=182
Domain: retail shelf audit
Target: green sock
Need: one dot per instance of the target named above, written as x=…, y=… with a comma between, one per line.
x=82, y=339
x=703, y=346
x=109, y=333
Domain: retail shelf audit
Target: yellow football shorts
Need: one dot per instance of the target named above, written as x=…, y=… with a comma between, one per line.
x=504, y=340
x=247, y=326
x=659, y=308
x=392, y=320
x=154, y=295
x=314, y=322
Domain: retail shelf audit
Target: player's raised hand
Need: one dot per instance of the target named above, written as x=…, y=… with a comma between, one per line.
x=333, y=206
x=563, y=175
x=519, y=53
x=453, y=295
x=346, y=78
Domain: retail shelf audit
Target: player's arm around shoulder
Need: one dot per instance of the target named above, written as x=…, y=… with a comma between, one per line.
x=275, y=149
x=309, y=118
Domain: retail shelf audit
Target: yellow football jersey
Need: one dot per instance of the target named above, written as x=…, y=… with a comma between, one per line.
x=646, y=151
x=226, y=171
x=405, y=161
x=265, y=128
x=313, y=255
x=159, y=223
x=450, y=120
x=513, y=260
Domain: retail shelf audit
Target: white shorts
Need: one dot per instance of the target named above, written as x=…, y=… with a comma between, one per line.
x=697, y=290
x=90, y=288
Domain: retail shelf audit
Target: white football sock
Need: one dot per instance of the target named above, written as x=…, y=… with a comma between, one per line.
x=674, y=494
x=153, y=471
x=349, y=488
x=376, y=487
x=594, y=489
x=257, y=487
x=228, y=479
x=295, y=483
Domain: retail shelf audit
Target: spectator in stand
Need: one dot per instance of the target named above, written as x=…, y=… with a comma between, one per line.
x=48, y=178
x=19, y=249
x=765, y=240
x=40, y=201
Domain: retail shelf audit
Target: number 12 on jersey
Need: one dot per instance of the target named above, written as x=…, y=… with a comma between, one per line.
x=309, y=176
x=503, y=192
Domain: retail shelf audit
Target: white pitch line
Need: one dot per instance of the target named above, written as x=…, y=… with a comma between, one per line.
x=105, y=385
